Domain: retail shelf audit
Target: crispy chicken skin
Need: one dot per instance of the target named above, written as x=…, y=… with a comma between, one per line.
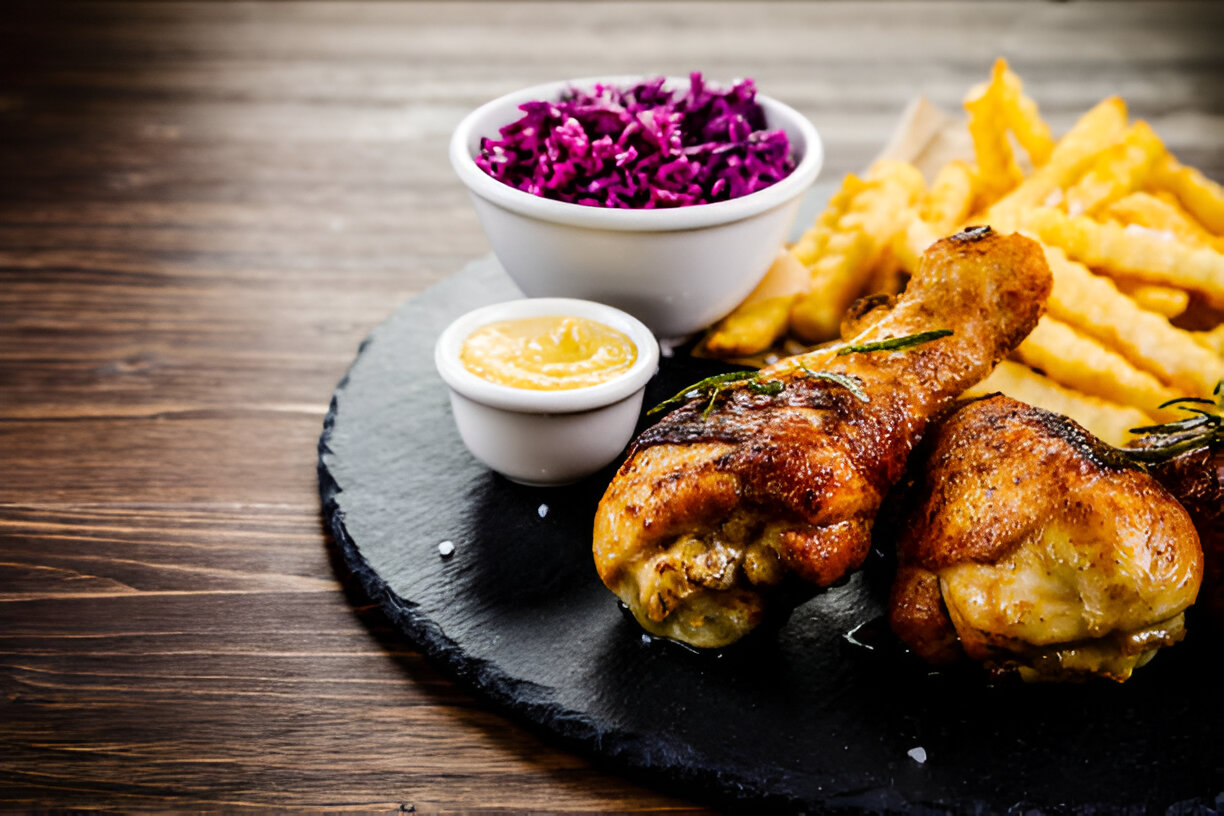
x=1196, y=479
x=1029, y=545
x=729, y=509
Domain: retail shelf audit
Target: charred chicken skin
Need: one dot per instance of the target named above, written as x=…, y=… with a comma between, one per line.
x=741, y=502
x=1195, y=477
x=1030, y=545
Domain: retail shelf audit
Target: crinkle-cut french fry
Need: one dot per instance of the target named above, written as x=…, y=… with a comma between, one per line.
x=852, y=244
x=1212, y=339
x=1131, y=252
x=758, y=322
x=836, y=280
x=903, y=174
x=1201, y=196
x=1163, y=213
x=1081, y=362
x=1093, y=304
x=1022, y=116
x=1109, y=421
x=1167, y=301
x=998, y=172
x=947, y=203
x=1117, y=171
x=911, y=241
x=1102, y=126
x=751, y=329
x=814, y=239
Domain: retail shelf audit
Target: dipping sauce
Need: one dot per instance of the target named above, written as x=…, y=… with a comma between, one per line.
x=553, y=353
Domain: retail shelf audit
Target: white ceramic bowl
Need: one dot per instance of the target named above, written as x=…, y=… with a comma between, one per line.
x=545, y=437
x=678, y=270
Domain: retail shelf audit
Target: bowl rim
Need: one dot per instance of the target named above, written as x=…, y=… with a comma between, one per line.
x=526, y=400
x=695, y=216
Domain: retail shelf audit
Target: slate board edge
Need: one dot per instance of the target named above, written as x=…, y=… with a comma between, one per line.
x=572, y=731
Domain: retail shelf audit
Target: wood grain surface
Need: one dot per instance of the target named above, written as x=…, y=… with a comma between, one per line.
x=204, y=207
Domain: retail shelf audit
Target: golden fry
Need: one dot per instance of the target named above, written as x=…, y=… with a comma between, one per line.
x=758, y=322
x=1162, y=213
x=1107, y=195
x=1078, y=361
x=1212, y=340
x=902, y=174
x=1093, y=304
x=947, y=203
x=912, y=240
x=1117, y=171
x=872, y=212
x=750, y=329
x=1201, y=196
x=998, y=172
x=836, y=280
x=1107, y=420
x=1022, y=116
x=1167, y=301
x=814, y=240
x=1102, y=126
x=1132, y=252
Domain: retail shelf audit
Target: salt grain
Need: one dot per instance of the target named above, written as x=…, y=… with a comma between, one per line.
x=543, y=510
x=917, y=754
x=446, y=549
x=1137, y=230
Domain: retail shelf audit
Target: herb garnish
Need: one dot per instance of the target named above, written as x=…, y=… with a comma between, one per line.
x=1204, y=427
x=713, y=386
x=847, y=381
x=895, y=343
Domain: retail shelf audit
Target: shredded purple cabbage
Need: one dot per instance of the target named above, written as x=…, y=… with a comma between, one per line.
x=641, y=148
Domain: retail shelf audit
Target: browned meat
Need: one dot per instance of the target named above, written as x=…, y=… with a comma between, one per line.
x=727, y=503
x=1196, y=479
x=1030, y=545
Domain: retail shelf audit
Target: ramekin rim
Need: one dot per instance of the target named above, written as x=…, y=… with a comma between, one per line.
x=524, y=400
x=624, y=220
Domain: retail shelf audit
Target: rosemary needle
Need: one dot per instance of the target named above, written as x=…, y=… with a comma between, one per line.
x=895, y=343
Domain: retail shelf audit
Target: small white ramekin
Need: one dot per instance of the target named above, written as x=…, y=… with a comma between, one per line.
x=678, y=270
x=546, y=437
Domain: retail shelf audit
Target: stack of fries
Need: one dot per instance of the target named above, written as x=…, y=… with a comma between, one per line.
x=1135, y=241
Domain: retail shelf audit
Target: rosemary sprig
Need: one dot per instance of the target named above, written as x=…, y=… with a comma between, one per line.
x=895, y=343
x=713, y=386
x=1205, y=427
x=847, y=381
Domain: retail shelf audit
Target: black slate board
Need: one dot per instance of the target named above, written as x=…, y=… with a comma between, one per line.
x=799, y=719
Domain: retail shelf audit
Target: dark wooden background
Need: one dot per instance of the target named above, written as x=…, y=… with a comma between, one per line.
x=203, y=209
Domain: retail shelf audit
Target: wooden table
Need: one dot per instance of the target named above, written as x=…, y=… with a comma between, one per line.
x=203, y=209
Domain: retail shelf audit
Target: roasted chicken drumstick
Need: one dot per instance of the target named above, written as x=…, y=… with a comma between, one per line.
x=1030, y=545
x=734, y=500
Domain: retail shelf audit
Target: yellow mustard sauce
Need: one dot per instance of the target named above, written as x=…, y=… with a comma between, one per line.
x=553, y=353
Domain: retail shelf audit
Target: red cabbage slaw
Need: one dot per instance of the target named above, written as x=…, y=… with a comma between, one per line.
x=641, y=148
